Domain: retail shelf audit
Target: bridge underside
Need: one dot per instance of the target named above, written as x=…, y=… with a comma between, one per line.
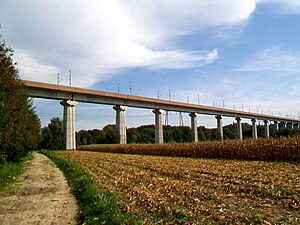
x=70, y=96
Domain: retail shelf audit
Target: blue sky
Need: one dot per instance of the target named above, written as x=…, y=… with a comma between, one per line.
x=245, y=54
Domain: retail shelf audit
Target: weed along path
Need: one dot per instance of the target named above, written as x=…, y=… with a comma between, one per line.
x=41, y=195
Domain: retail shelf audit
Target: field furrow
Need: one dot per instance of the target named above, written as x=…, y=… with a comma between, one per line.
x=161, y=190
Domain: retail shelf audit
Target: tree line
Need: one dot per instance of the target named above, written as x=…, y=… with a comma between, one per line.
x=174, y=134
x=53, y=137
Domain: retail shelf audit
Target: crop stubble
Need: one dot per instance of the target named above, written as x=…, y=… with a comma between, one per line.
x=194, y=191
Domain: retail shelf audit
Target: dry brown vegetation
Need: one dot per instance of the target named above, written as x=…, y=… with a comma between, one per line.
x=274, y=149
x=173, y=190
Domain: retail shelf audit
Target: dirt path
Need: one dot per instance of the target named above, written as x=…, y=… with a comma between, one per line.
x=41, y=195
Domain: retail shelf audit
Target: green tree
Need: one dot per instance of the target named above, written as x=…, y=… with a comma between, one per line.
x=53, y=136
x=19, y=125
x=201, y=135
x=110, y=134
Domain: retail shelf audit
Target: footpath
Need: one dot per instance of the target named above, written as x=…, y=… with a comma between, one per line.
x=41, y=195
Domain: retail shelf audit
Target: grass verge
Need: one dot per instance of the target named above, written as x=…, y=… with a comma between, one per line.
x=9, y=171
x=97, y=206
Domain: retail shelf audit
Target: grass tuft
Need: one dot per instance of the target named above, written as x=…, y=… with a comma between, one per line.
x=97, y=206
x=9, y=171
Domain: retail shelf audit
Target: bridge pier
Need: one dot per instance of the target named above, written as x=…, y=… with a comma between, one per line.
x=159, y=133
x=267, y=130
x=254, y=129
x=239, y=130
x=220, y=126
x=121, y=123
x=69, y=123
x=296, y=125
x=194, y=127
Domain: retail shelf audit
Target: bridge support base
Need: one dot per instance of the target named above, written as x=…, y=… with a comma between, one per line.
x=267, y=130
x=194, y=127
x=159, y=137
x=254, y=129
x=69, y=123
x=121, y=123
x=239, y=130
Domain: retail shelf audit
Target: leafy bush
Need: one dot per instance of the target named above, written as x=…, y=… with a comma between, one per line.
x=53, y=136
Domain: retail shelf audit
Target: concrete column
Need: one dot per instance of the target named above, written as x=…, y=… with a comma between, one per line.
x=121, y=123
x=254, y=129
x=283, y=124
x=159, y=133
x=194, y=127
x=267, y=130
x=69, y=123
x=239, y=129
x=276, y=125
x=291, y=125
x=296, y=125
x=220, y=126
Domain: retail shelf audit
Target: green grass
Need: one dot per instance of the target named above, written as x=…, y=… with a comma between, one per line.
x=10, y=171
x=97, y=206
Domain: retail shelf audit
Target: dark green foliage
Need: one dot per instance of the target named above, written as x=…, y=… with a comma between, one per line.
x=53, y=136
x=107, y=135
x=19, y=125
x=97, y=206
x=174, y=134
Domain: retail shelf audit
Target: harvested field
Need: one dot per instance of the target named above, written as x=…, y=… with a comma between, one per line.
x=170, y=190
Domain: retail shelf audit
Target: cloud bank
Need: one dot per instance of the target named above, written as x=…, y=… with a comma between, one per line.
x=97, y=39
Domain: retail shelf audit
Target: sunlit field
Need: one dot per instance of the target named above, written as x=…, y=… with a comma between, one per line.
x=176, y=190
x=273, y=149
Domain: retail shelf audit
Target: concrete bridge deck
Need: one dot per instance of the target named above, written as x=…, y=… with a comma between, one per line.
x=59, y=92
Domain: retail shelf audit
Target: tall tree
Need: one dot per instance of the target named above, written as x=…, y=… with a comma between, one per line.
x=19, y=125
x=53, y=136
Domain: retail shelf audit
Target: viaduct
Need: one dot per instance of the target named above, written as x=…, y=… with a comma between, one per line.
x=70, y=96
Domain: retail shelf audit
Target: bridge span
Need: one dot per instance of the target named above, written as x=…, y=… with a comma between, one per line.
x=70, y=96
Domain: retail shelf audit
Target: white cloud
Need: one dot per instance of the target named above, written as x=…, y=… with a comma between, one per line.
x=99, y=38
x=272, y=60
x=32, y=69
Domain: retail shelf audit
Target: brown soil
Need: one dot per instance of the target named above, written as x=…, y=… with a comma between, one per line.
x=41, y=195
x=174, y=190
